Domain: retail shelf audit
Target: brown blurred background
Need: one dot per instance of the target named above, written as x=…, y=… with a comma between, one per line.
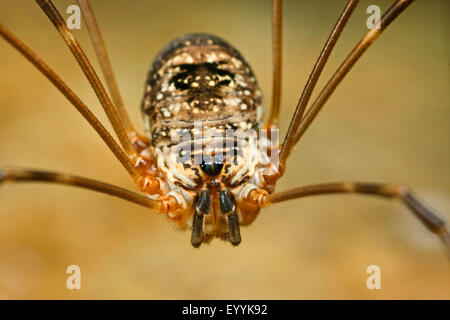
x=388, y=122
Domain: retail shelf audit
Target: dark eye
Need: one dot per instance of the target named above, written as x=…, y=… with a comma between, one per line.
x=211, y=169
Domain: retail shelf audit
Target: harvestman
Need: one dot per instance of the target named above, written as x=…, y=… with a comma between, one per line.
x=200, y=77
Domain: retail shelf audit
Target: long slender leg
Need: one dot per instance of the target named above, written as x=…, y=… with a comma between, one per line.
x=54, y=16
x=277, y=62
x=163, y=204
x=105, y=64
x=71, y=96
x=26, y=175
x=136, y=169
x=348, y=63
x=424, y=213
x=313, y=78
x=147, y=183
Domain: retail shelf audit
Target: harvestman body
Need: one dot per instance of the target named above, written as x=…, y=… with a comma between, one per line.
x=200, y=78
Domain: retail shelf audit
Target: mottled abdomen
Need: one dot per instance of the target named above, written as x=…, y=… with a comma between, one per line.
x=199, y=77
x=200, y=81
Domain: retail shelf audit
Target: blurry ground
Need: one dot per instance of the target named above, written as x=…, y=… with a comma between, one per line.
x=388, y=122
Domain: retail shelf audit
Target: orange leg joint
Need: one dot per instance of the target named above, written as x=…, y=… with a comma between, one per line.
x=149, y=184
x=257, y=198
